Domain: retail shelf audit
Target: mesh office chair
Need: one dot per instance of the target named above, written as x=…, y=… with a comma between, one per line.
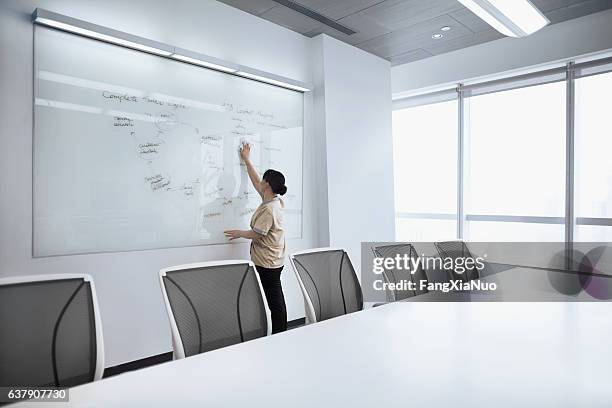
x=212, y=305
x=394, y=275
x=454, y=250
x=50, y=331
x=328, y=282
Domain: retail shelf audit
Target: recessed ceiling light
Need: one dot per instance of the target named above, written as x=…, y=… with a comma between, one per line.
x=437, y=36
x=445, y=28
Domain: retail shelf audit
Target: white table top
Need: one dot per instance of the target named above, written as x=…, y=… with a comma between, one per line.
x=401, y=354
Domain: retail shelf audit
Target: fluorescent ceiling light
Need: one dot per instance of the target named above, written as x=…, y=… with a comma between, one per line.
x=272, y=81
x=86, y=29
x=514, y=18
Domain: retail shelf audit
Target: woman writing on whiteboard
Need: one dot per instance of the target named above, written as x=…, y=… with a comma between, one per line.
x=267, y=237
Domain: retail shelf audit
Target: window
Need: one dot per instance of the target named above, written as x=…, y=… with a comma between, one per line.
x=515, y=164
x=515, y=184
x=593, y=163
x=425, y=166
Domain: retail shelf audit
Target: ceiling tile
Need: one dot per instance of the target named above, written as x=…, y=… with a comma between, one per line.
x=409, y=56
x=548, y=5
x=397, y=14
x=578, y=10
x=316, y=5
x=337, y=9
x=365, y=27
x=251, y=6
x=469, y=40
x=291, y=19
x=414, y=37
x=401, y=30
x=470, y=20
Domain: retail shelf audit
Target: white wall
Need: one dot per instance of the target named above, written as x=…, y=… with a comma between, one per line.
x=133, y=316
x=353, y=114
x=558, y=42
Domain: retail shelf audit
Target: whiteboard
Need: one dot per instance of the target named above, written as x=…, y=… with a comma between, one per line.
x=133, y=151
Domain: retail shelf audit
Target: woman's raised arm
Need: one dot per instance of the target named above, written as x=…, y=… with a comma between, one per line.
x=245, y=151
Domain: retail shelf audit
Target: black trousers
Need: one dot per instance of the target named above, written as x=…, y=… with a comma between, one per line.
x=271, y=282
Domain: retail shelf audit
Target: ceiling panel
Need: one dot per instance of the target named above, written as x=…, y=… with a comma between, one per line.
x=291, y=19
x=414, y=37
x=398, y=14
x=368, y=29
x=578, y=10
x=339, y=8
x=409, y=56
x=548, y=5
x=466, y=41
x=470, y=20
x=256, y=7
x=401, y=30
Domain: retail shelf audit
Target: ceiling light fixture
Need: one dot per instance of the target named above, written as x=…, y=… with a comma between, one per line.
x=514, y=18
x=87, y=29
x=437, y=36
x=445, y=28
x=278, y=81
x=203, y=60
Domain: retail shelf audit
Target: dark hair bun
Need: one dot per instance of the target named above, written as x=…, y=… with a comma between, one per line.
x=276, y=180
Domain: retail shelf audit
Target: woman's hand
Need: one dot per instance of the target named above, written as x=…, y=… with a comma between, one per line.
x=233, y=234
x=245, y=151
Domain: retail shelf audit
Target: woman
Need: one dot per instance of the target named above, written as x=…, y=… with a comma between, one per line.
x=267, y=237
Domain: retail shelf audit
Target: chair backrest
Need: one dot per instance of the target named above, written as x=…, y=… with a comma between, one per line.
x=213, y=304
x=394, y=275
x=50, y=331
x=328, y=282
x=454, y=250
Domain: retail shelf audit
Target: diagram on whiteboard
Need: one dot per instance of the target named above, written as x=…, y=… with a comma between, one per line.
x=129, y=158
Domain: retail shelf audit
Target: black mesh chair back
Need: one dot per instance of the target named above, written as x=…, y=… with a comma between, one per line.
x=454, y=250
x=48, y=332
x=394, y=275
x=328, y=282
x=213, y=305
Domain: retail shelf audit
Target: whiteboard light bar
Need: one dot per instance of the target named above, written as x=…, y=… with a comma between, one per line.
x=284, y=83
x=84, y=28
x=105, y=34
x=202, y=63
x=514, y=18
x=203, y=60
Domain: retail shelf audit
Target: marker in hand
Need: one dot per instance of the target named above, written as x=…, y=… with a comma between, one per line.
x=245, y=151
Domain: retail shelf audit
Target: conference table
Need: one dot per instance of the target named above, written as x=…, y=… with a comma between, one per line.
x=420, y=354
x=527, y=284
